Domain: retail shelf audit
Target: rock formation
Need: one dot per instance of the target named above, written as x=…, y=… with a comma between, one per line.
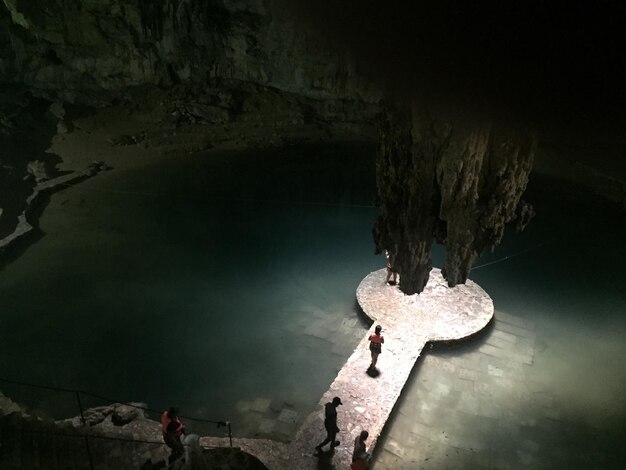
x=120, y=436
x=195, y=73
x=451, y=179
x=248, y=68
x=90, y=52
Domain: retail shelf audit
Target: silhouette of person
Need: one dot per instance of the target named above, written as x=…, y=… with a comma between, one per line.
x=330, y=423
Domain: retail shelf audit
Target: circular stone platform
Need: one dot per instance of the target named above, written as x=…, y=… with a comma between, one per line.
x=440, y=313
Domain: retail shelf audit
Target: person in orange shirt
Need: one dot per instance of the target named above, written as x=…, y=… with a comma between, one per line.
x=376, y=342
x=173, y=429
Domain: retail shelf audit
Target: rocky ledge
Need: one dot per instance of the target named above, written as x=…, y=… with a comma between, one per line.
x=121, y=437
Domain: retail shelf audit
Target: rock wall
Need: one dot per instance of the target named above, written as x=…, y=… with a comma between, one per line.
x=87, y=50
x=451, y=179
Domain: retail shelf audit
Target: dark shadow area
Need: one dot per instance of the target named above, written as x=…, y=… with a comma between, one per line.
x=547, y=62
x=231, y=458
x=325, y=460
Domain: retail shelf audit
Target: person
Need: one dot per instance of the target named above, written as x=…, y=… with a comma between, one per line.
x=376, y=341
x=359, y=451
x=172, y=429
x=330, y=423
x=390, y=270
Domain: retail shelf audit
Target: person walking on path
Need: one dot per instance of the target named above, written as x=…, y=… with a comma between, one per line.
x=173, y=429
x=330, y=423
x=360, y=457
x=376, y=345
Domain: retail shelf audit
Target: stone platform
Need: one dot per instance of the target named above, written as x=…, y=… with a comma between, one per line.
x=439, y=313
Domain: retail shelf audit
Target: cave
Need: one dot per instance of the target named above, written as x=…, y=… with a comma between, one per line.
x=191, y=192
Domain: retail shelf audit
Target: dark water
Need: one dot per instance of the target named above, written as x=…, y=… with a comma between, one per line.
x=216, y=284
x=226, y=285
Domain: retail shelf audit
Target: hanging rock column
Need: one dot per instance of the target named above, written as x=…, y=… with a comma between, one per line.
x=448, y=178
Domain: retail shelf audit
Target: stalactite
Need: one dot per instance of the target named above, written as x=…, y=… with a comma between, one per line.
x=452, y=179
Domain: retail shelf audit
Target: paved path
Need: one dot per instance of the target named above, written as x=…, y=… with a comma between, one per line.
x=483, y=406
x=409, y=322
x=439, y=313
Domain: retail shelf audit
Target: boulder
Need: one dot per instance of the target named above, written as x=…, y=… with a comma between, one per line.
x=39, y=170
x=124, y=414
x=96, y=415
x=57, y=110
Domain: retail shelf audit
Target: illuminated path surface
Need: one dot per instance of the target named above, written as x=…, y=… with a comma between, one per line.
x=439, y=313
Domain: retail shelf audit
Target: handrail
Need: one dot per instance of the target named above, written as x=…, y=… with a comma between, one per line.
x=77, y=393
x=92, y=436
x=88, y=436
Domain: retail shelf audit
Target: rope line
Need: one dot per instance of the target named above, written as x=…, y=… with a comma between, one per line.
x=92, y=436
x=110, y=400
x=507, y=257
x=145, y=408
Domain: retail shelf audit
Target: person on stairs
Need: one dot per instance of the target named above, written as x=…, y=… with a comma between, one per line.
x=173, y=429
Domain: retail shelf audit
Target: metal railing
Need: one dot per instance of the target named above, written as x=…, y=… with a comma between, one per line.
x=77, y=395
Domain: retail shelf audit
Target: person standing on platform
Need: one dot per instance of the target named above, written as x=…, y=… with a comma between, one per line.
x=330, y=423
x=173, y=429
x=376, y=345
x=391, y=270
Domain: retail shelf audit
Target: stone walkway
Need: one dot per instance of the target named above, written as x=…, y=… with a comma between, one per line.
x=481, y=407
x=409, y=322
x=439, y=313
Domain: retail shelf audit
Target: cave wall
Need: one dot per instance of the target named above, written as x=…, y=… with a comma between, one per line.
x=88, y=50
